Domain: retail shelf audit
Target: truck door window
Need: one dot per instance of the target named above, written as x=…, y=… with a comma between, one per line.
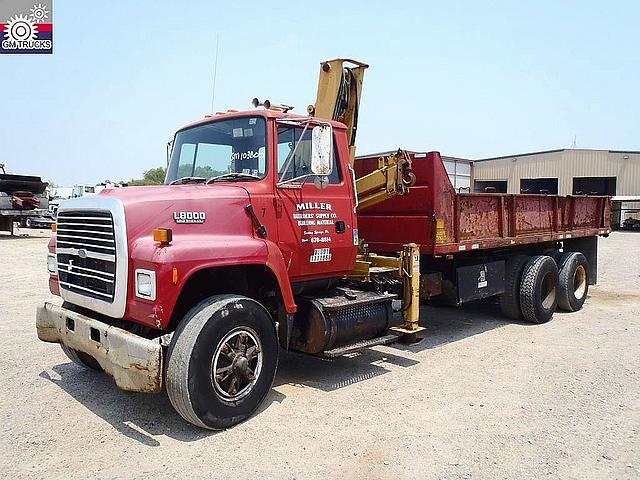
x=300, y=164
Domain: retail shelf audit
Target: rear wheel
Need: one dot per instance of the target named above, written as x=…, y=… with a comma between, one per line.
x=510, y=299
x=573, y=282
x=222, y=361
x=538, y=289
x=83, y=359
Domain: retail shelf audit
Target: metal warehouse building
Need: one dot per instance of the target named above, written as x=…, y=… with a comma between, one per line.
x=569, y=171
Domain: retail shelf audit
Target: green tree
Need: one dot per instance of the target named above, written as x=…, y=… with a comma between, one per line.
x=153, y=176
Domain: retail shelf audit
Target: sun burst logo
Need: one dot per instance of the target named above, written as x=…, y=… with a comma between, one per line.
x=39, y=13
x=20, y=28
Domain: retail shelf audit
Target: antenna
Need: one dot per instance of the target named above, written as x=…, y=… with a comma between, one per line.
x=215, y=72
x=575, y=143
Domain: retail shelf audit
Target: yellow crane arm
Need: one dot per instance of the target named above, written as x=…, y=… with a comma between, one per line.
x=338, y=98
x=392, y=177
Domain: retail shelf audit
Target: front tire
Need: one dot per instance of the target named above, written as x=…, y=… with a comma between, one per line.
x=222, y=361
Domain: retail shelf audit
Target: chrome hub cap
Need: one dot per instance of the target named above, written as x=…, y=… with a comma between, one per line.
x=237, y=363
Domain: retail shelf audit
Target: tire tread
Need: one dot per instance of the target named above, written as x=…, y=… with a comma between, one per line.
x=528, y=287
x=179, y=355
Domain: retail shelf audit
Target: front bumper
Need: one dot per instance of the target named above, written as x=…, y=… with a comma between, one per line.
x=134, y=362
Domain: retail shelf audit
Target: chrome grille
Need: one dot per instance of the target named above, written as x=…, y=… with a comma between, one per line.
x=86, y=253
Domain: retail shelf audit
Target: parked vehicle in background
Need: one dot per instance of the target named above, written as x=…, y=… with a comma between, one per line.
x=81, y=190
x=22, y=198
x=631, y=223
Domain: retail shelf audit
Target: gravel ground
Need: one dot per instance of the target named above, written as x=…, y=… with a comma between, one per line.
x=480, y=397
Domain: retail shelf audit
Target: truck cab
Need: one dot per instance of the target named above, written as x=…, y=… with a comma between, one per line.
x=269, y=155
x=257, y=210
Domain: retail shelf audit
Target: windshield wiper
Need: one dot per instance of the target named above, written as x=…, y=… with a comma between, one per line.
x=180, y=181
x=233, y=176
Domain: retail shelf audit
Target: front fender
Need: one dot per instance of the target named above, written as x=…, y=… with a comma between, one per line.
x=189, y=256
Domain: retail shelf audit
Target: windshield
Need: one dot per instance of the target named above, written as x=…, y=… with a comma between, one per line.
x=231, y=147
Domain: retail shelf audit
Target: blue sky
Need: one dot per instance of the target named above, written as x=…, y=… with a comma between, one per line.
x=472, y=79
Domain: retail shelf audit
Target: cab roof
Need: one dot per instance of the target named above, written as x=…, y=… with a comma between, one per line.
x=259, y=112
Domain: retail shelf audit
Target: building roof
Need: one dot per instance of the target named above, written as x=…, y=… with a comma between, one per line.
x=517, y=155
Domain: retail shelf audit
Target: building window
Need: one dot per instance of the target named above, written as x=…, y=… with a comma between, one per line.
x=459, y=172
x=490, y=186
x=547, y=186
x=594, y=186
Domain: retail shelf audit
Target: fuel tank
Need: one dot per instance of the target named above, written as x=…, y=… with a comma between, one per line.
x=343, y=317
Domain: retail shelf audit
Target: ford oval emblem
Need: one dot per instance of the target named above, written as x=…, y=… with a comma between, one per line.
x=82, y=253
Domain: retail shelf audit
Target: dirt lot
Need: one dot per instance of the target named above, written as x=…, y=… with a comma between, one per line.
x=481, y=397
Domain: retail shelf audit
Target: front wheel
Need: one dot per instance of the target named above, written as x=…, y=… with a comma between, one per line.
x=222, y=361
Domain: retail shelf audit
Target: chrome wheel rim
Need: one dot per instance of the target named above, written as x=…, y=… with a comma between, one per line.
x=237, y=363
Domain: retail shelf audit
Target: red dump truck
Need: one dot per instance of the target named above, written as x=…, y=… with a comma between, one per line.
x=264, y=239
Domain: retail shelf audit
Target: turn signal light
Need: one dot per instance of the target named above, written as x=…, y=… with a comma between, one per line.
x=162, y=235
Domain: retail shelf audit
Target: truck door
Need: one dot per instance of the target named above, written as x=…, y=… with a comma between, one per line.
x=316, y=222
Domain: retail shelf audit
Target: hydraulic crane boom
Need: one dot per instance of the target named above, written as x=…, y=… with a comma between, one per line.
x=338, y=98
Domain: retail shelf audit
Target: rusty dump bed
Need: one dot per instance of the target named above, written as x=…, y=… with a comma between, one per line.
x=442, y=221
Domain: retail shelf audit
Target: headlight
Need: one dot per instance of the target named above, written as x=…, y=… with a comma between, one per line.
x=146, y=284
x=52, y=264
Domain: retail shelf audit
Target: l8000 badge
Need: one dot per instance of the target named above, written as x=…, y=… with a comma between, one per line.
x=189, y=217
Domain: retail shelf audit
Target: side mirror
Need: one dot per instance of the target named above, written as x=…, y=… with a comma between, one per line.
x=322, y=150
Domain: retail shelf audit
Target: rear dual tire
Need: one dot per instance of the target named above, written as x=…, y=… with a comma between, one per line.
x=539, y=289
x=573, y=283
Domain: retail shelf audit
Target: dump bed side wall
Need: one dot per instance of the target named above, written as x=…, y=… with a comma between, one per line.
x=388, y=225
x=442, y=221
